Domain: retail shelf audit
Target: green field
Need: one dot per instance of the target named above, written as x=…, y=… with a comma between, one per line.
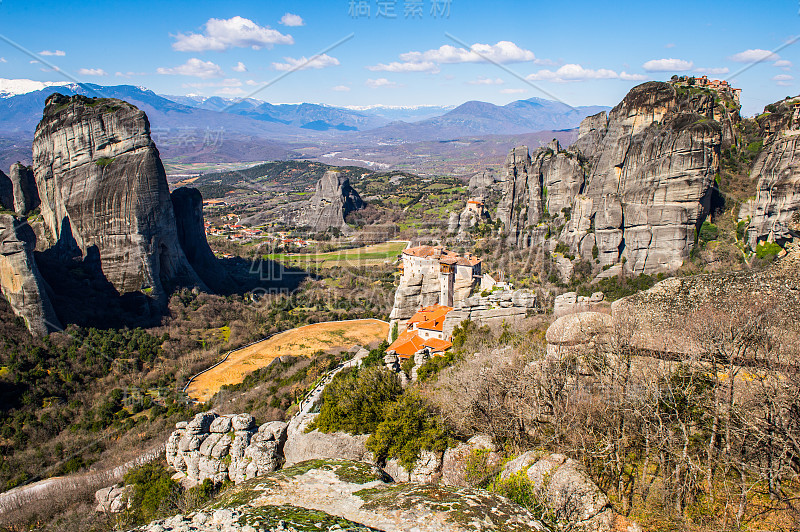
x=374, y=254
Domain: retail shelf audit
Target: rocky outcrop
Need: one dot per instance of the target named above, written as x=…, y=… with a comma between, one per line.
x=492, y=309
x=337, y=494
x=571, y=302
x=777, y=176
x=634, y=187
x=26, y=195
x=563, y=485
x=114, y=499
x=578, y=334
x=6, y=192
x=228, y=447
x=467, y=464
x=104, y=193
x=332, y=201
x=658, y=319
x=187, y=203
x=20, y=280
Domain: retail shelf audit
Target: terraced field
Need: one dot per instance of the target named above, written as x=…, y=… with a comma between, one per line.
x=372, y=255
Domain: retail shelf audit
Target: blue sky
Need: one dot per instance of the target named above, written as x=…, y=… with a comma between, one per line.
x=581, y=52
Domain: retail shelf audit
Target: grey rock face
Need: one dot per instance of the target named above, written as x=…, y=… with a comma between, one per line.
x=20, y=280
x=333, y=199
x=456, y=461
x=638, y=183
x=6, y=192
x=26, y=195
x=778, y=187
x=104, y=192
x=187, y=203
x=565, y=487
x=426, y=470
x=228, y=447
x=113, y=500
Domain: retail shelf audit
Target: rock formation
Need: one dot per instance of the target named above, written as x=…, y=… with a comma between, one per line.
x=634, y=186
x=26, y=195
x=332, y=201
x=6, y=192
x=114, y=499
x=492, y=309
x=228, y=447
x=104, y=193
x=20, y=281
x=188, y=206
x=777, y=176
x=333, y=495
x=563, y=485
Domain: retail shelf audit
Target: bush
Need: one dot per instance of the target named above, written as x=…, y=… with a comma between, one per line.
x=708, y=232
x=355, y=401
x=154, y=494
x=410, y=426
x=768, y=250
x=521, y=490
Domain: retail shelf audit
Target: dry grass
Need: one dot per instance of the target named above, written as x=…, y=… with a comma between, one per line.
x=302, y=341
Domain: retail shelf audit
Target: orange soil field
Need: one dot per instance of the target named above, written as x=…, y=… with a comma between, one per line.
x=302, y=341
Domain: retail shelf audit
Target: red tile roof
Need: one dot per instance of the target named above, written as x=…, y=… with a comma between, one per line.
x=431, y=318
x=407, y=344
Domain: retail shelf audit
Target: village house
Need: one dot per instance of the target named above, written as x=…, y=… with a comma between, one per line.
x=424, y=332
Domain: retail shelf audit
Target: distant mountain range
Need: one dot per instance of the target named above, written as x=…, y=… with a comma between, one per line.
x=215, y=129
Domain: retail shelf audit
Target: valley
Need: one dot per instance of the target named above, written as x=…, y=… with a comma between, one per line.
x=221, y=312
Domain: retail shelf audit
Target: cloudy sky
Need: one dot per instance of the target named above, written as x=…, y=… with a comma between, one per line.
x=405, y=52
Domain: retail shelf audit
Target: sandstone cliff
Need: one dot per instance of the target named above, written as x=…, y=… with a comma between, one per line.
x=20, y=281
x=6, y=192
x=635, y=185
x=104, y=193
x=188, y=206
x=777, y=176
x=26, y=196
x=332, y=201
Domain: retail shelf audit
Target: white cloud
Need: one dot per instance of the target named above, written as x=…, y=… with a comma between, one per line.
x=486, y=81
x=92, y=72
x=303, y=63
x=755, y=55
x=573, y=72
x=669, y=45
x=3, y=60
x=782, y=77
x=194, y=67
x=502, y=52
x=222, y=34
x=59, y=53
x=341, y=88
x=395, y=66
x=129, y=74
x=251, y=82
x=632, y=77
x=239, y=67
x=230, y=91
x=667, y=65
x=513, y=91
x=380, y=82
x=714, y=71
x=290, y=19
x=785, y=64
x=33, y=61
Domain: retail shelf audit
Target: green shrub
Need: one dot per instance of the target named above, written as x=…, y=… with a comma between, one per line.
x=768, y=250
x=434, y=365
x=375, y=357
x=410, y=426
x=355, y=401
x=521, y=490
x=154, y=493
x=708, y=232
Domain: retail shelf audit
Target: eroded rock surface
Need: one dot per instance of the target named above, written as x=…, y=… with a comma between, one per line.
x=635, y=186
x=356, y=493
x=23, y=182
x=332, y=201
x=21, y=283
x=104, y=193
x=228, y=447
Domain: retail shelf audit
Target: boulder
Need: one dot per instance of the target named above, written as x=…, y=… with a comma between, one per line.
x=467, y=464
x=579, y=333
x=427, y=469
x=113, y=500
